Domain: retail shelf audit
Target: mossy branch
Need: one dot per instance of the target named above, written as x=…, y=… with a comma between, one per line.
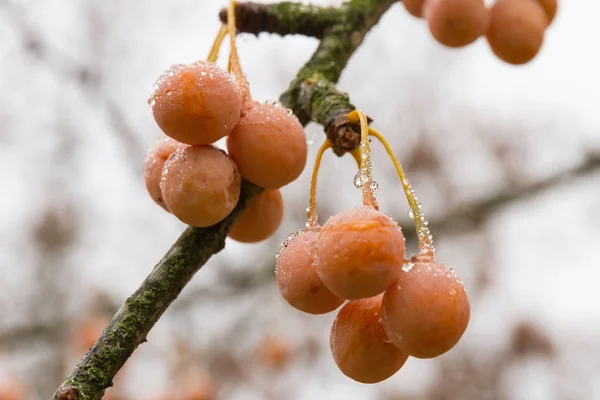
x=284, y=18
x=312, y=96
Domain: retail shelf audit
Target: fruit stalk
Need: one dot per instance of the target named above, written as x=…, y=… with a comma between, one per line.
x=312, y=96
x=424, y=236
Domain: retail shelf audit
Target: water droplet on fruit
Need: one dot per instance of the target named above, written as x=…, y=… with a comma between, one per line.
x=152, y=101
x=168, y=92
x=407, y=267
x=374, y=185
x=411, y=214
x=419, y=205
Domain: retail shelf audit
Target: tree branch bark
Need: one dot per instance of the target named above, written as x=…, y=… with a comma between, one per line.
x=312, y=96
x=284, y=18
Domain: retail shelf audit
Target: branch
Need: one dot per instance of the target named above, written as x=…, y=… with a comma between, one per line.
x=312, y=96
x=473, y=214
x=141, y=311
x=285, y=18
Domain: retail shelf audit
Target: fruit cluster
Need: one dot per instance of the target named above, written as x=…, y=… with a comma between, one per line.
x=395, y=307
x=196, y=105
x=514, y=29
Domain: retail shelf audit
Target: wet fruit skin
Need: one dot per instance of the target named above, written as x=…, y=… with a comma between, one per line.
x=196, y=104
x=268, y=145
x=360, y=253
x=153, y=165
x=516, y=31
x=359, y=344
x=297, y=277
x=426, y=312
x=200, y=185
x=261, y=219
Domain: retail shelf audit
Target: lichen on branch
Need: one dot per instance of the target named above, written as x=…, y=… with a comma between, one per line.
x=284, y=18
x=313, y=97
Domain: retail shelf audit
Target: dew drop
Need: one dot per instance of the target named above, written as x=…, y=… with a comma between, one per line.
x=358, y=179
x=411, y=214
x=374, y=185
x=152, y=101
x=419, y=205
x=407, y=267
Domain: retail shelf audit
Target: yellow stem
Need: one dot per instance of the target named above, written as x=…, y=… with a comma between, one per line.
x=312, y=202
x=214, y=51
x=234, y=59
x=424, y=237
x=364, y=177
x=356, y=155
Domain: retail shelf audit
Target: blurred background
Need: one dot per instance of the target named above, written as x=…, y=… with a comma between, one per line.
x=506, y=161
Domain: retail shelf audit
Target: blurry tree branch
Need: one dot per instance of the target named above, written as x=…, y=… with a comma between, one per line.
x=471, y=215
x=87, y=77
x=312, y=96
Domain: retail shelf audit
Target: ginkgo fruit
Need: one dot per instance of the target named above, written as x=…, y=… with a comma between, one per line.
x=426, y=311
x=200, y=185
x=297, y=277
x=268, y=145
x=359, y=344
x=196, y=104
x=153, y=165
x=456, y=23
x=360, y=253
x=414, y=7
x=516, y=31
x=261, y=219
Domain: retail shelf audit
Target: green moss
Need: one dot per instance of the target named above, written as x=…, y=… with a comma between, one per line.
x=306, y=19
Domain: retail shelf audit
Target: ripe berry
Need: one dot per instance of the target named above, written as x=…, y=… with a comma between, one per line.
x=550, y=7
x=268, y=145
x=426, y=311
x=200, y=185
x=261, y=219
x=516, y=31
x=359, y=344
x=197, y=103
x=297, y=277
x=456, y=23
x=153, y=166
x=360, y=253
x=414, y=7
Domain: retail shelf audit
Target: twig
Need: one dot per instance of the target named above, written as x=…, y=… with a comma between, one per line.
x=284, y=18
x=312, y=96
